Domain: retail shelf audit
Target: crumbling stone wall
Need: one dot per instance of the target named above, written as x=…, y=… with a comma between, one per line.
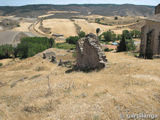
x=150, y=31
x=90, y=54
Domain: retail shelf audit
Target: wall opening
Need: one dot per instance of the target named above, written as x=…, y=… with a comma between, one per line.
x=149, y=44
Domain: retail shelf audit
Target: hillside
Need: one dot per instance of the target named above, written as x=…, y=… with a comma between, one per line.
x=99, y=9
x=35, y=89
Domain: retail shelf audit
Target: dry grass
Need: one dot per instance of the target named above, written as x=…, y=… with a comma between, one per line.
x=68, y=28
x=23, y=27
x=61, y=26
x=127, y=85
x=91, y=27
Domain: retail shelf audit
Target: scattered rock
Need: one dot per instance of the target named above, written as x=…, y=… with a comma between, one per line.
x=50, y=56
x=64, y=63
x=90, y=55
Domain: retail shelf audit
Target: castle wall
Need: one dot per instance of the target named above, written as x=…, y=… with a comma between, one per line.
x=154, y=27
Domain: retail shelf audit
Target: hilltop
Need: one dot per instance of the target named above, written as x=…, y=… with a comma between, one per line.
x=81, y=9
x=37, y=89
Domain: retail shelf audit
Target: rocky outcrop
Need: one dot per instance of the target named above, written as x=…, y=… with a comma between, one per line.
x=90, y=54
x=157, y=9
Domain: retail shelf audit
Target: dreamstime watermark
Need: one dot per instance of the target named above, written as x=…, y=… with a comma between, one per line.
x=138, y=116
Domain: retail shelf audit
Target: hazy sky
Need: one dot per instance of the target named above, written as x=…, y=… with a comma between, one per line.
x=24, y=2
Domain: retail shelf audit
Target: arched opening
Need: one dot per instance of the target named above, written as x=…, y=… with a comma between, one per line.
x=149, y=48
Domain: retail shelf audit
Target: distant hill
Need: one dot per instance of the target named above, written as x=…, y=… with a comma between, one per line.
x=84, y=9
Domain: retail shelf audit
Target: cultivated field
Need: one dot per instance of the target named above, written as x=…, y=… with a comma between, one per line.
x=91, y=27
x=61, y=26
x=36, y=89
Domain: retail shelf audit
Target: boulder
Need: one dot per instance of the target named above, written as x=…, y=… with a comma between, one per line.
x=90, y=55
x=51, y=56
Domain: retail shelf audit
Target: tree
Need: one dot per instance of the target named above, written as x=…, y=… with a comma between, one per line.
x=51, y=43
x=72, y=39
x=109, y=36
x=130, y=45
x=116, y=18
x=135, y=34
x=126, y=43
x=122, y=45
x=98, y=31
x=126, y=34
x=6, y=51
x=81, y=34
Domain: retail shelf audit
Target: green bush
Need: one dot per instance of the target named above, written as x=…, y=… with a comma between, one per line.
x=65, y=46
x=109, y=36
x=119, y=37
x=30, y=46
x=97, y=20
x=130, y=46
x=81, y=34
x=6, y=51
x=72, y=39
x=1, y=64
x=116, y=18
x=135, y=34
x=127, y=34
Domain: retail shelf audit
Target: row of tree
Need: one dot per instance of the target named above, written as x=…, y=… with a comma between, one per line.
x=126, y=38
x=28, y=47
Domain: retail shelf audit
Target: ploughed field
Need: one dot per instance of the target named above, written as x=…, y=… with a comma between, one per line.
x=35, y=89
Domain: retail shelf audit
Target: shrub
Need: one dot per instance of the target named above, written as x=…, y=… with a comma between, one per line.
x=130, y=46
x=81, y=34
x=119, y=37
x=127, y=34
x=72, y=39
x=109, y=36
x=97, y=20
x=136, y=34
x=1, y=64
x=6, y=51
x=116, y=18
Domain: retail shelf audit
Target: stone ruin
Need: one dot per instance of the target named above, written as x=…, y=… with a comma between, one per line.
x=157, y=9
x=150, y=40
x=51, y=56
x=90, y=55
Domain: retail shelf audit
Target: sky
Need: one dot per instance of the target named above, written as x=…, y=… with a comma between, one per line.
x=26, y=2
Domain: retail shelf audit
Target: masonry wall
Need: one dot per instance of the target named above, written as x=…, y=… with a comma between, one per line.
x=157, y=9
x=155, y=42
